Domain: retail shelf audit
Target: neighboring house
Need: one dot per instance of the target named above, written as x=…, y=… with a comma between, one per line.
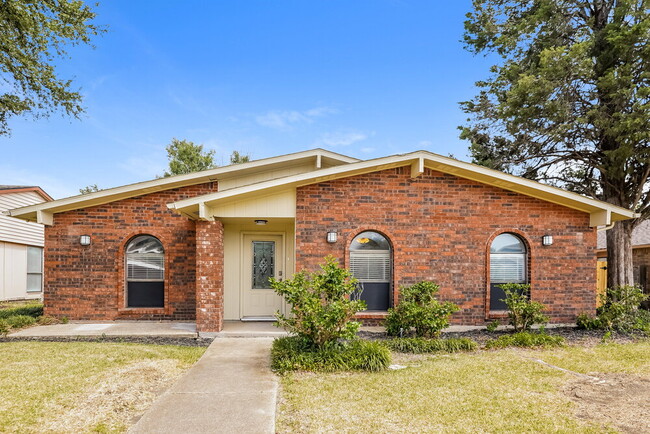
x=21, y=245
x=640, y=256
x=202, y=246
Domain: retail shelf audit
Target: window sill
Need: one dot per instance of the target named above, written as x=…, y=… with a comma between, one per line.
x=142, y=309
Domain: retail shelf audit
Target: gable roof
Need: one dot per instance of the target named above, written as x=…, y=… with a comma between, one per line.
x=42, y=212
x=10, y=189
x=601, y=213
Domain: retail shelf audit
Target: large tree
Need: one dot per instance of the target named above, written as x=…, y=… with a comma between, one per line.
x=567, y=102
x=186, y=157
x=34, y=35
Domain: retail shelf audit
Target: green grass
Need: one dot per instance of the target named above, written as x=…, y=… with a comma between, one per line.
x=525, y=340
x=493, y=391
x=35, y=376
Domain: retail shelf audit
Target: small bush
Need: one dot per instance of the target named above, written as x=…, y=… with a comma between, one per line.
x=522, y=312
x=321, y=309
x=587, y=322
x=493, y=325
x=525, y=340
x=20, y=321
x=294, y=353
x=420, y=345
x=64, y=320
x=33, y=310
x=4, y=328
x=621, y=311
x=418, y=309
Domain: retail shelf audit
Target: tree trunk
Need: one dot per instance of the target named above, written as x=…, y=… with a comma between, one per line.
x=619, y=254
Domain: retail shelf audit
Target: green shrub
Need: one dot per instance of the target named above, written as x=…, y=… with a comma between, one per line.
x=294, y=353
x=493, y=325
x=522, y=312
x=418, y=309
x=421, y=345
x=526, y=340
x=64, y=320
x=4, y=328
x=19, y=321
x=33, y=310
x=47, y=320
x=587, y=322
x=321, y=309
x=621, y=311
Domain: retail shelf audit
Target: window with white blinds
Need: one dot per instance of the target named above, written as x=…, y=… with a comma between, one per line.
x=145, y=259
x=370, y=266
x=508, y=268
x=508, y=259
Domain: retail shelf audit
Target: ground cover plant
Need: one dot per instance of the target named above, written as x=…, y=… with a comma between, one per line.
x=525, y=340
x=16, y=315
x=84, y=386
x=418, y=310
x=420, y=345
x=509, y=390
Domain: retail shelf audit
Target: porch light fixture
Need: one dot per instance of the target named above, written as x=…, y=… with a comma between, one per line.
x=84, y=240
x=547, y=240
x=331, y=237
x=261, y=222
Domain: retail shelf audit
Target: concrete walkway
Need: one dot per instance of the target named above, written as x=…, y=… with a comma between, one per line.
x=231, y=389
x=111, y=328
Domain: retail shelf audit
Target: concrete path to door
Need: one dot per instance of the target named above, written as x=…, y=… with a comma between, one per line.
x=231, y=389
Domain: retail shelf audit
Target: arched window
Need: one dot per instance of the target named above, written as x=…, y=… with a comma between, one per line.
x=145, y=272
x=370, y=263
x=508, y=261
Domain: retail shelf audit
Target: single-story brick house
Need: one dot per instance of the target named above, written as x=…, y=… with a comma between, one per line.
x=201, y=246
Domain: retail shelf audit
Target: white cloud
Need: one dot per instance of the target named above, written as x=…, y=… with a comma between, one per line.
x=285, y=120
x=367, y=150
x=342, y=138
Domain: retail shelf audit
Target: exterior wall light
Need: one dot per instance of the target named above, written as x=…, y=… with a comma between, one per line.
x=261, y=222
x=84, y=240
x=547, y=240
x=331, y=237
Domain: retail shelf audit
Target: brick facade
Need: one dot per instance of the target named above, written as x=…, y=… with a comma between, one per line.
x=88, y=282
x=441, y=227
x=209, y=276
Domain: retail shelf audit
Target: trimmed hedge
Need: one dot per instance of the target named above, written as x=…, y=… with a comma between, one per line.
x=33, y=310
x=525, y=340
x=20, y=321
x=421, y=345
x=295, y=354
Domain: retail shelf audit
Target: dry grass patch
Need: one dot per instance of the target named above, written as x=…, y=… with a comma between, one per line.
x=84, y=386
x=496, y=391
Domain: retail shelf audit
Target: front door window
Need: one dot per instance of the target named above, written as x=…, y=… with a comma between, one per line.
x=263, y=263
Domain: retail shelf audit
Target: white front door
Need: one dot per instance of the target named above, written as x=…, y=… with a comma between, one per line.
x=263, y=258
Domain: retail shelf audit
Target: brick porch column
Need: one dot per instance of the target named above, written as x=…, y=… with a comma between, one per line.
x=209, y=276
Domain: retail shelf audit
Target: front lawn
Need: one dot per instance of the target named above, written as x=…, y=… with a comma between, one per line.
x=84, y=386
x=489, y=391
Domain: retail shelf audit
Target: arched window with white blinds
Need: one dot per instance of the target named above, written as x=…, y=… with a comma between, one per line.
x=145, y=272
x=371, y=264
x=508, y=264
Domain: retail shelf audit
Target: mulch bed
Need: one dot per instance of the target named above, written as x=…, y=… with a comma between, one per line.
x=153, y=340
x=573, y=336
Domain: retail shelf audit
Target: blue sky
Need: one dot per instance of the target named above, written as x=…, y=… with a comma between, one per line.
x=363, y=78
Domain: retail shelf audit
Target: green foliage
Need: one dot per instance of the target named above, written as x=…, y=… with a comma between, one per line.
x=294, y=353
x=568, y=101
x=186, y=157
x=421, y=345
x=321, y=309
x=418, y=309
x=34, y=37
x=64, y=320
x=525, y=340
x=89, y=189
x=20, y=321
x=522, y=312
x=493, y=325
x=34, y=310
x=620, y=312
x=4, y=328
x=47, y=320
x=237, y=158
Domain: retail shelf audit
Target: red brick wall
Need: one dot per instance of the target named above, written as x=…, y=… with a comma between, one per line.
x=88, y=283
x=441, y=226
x=209, y=276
